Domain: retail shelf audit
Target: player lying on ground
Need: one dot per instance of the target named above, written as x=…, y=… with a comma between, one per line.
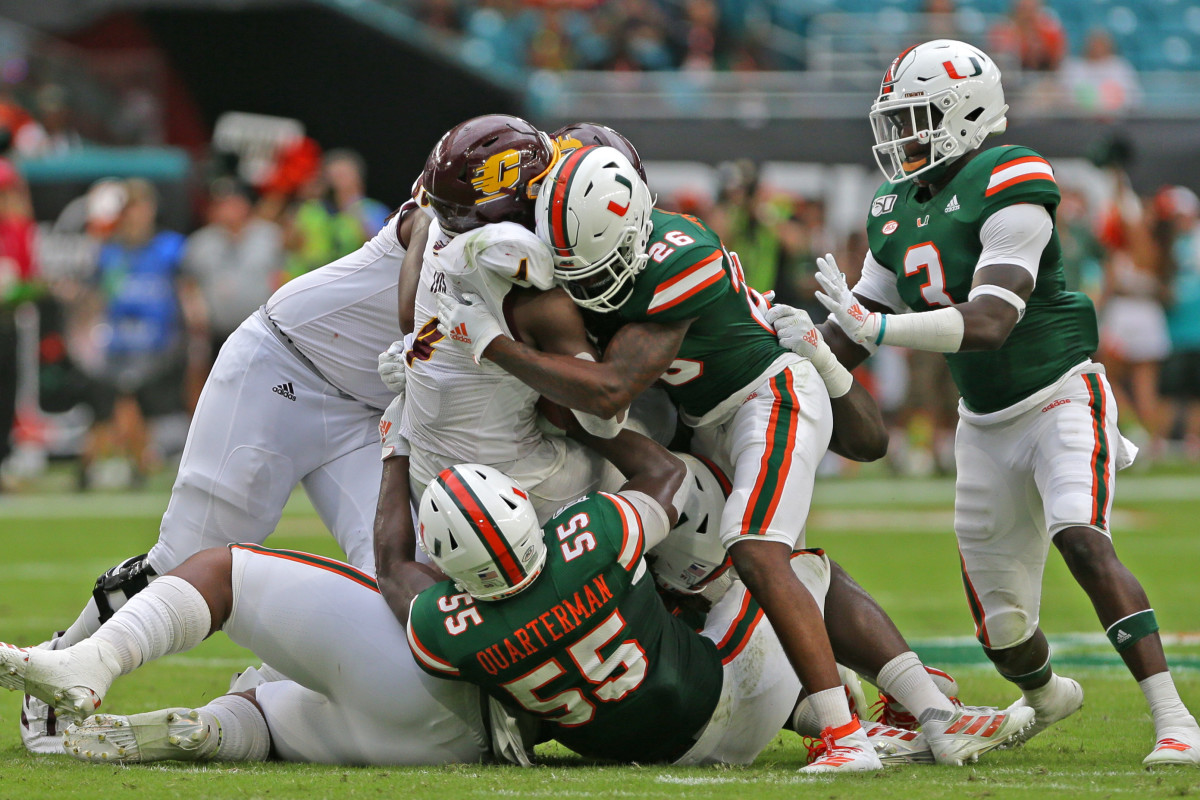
x=966, y=237
x=293, y=397
x=357, y=697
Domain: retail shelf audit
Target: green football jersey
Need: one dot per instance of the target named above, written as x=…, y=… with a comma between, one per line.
x=932, y=247
x=690, y=274
x=588, y=647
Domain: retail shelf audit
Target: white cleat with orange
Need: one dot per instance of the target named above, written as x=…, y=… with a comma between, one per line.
x=846, y=749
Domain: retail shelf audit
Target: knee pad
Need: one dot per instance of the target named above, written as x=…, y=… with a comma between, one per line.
x=1008, y=628
x=120, y=583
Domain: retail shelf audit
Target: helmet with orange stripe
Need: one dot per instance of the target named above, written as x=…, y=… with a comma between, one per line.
x=586, y=134
x=938, y=101
x=594, y=212
x=479, y=527
x=692, y=556
x=485, y=170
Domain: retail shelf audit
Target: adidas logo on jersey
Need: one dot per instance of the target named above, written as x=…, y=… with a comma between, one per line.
x=286, y=390
x=952, y=206
x=459, y=333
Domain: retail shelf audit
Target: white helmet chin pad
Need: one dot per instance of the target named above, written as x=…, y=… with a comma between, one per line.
x=944, y=96
x=593, y=211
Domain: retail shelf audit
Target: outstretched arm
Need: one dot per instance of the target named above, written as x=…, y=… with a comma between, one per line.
x=1012, y=241
x=399, y=576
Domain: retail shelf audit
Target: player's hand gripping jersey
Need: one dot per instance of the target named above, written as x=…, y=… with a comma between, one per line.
x=730, y=346
x=455, y=406
x=588, y=648
x=933, y=248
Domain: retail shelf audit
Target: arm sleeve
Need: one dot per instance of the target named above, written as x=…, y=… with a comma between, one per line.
x=652, y=518
x=878, y=284
x=1016, y=234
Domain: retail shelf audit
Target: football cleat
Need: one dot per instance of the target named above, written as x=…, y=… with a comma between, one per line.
x=1175, y=746
x=898, y=746
x=72, y=681
x=844, y=749
x=1063, y=701
x=891, y=711
x=973, y=731
x=170, y=734
x=40, y=732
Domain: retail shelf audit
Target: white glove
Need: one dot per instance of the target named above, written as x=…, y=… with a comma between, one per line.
x=393, y=443
x=467, y=322
x=797, y=333
x=859, y=324
x=392, y=368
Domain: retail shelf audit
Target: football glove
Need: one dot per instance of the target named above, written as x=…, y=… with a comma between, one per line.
x=796, y=332
x=391, y=367
x=467, y=322
x=859, y=324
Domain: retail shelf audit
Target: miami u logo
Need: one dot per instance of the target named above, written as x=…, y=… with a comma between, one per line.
x=500, y=172
x=952, y=71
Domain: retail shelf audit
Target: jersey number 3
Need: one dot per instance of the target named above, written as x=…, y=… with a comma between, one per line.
x=927, y=257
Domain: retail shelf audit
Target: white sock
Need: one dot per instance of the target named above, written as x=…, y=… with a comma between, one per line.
x=804, y=719
x=241, y=727
x=905, y=678
x=168, y=616
x=1166, y=707
x=831, y=708
x=86, y=624
x=1037, y=697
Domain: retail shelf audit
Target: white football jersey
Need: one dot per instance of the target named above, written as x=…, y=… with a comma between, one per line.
x=343, y=315
x=469, y=411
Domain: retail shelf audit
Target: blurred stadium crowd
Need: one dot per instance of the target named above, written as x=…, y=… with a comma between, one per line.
x=111, y=312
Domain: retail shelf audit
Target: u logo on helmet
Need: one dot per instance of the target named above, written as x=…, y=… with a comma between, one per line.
x=499, y=172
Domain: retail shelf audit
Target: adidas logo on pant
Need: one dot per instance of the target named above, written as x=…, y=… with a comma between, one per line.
x=286, y=390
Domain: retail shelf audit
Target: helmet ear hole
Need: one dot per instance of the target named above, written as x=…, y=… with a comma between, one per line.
x=974, y=115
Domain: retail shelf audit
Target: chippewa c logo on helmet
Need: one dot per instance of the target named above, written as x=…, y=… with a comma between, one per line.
x=501, y=171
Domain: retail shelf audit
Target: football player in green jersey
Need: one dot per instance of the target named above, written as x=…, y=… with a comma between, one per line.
x=965, y=237
x=681, y=310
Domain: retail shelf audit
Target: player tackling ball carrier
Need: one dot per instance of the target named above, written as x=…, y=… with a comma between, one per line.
x=965, y=237
x=681, y=310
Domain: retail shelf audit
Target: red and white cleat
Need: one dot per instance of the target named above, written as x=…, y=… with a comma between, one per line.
x=1175, y=746
x=973, y=731
x=844, y=749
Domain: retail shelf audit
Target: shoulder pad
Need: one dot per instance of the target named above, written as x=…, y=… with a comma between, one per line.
x=1019, y=175
x=511, y=251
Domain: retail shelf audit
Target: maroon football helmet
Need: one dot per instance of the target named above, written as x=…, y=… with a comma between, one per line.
x=486, y=170
x=585, y=134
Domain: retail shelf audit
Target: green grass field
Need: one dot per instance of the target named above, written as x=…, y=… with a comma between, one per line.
x=894, y=536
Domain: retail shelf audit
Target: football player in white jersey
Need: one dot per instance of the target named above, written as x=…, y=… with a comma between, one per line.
x=294, y=397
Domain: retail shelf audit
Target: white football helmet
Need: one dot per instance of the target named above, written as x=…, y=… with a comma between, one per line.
x=479, y=527
x=948, y=95
x=593, y=210
x=692, y=555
